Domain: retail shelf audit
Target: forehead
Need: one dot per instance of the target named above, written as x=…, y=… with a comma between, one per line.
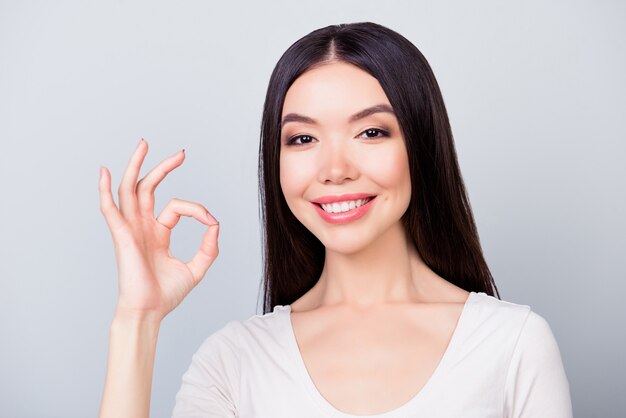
x=333, y=91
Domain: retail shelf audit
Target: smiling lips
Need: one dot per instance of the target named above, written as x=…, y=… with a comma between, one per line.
x=343, y=208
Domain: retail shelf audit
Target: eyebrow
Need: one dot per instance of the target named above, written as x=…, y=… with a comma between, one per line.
x=380, y=108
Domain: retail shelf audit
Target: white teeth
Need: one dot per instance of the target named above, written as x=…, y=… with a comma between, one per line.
x=345, y=206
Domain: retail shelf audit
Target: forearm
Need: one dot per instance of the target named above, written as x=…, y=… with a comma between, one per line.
x=132, y=348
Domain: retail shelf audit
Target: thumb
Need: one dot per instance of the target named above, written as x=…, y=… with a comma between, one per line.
x=207, y=253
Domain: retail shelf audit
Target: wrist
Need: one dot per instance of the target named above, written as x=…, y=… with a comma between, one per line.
x=134, y=317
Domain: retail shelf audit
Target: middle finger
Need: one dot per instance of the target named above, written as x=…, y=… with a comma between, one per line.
x=147, y=185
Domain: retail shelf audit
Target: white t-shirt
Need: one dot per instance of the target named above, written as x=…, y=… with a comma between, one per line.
x=501, y=362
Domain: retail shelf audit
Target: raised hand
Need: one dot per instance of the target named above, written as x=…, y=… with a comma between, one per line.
x=151, y=281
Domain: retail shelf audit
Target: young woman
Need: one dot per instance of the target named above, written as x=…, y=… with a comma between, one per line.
x=378, y=300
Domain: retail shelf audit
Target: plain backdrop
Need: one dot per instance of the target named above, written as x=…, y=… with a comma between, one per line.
x=535, y=92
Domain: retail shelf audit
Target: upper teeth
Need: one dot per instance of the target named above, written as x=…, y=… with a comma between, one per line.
x=345, y=206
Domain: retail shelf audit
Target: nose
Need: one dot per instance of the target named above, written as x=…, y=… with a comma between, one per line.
x=336, y=162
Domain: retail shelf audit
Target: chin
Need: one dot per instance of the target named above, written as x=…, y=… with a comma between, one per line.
x=345, y=243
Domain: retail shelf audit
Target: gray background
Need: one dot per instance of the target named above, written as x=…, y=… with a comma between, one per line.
x=536, y=96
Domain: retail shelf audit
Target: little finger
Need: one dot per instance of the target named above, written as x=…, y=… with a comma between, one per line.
x=107, y=205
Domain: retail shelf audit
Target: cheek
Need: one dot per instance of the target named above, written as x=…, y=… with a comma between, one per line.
x=389, y=168
x=293, y=178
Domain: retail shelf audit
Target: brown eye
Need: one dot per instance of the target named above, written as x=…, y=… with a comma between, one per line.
x=374, y=133
x=304, y=139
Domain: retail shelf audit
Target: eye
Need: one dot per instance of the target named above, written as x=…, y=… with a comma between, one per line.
x=372, y=133
x=304, y=139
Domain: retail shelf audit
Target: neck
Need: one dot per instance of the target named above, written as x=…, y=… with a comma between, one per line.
x=389, y=270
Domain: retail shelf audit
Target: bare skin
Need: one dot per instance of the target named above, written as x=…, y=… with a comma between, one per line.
x=151, y=281
x=371, y=360
x=375, y=326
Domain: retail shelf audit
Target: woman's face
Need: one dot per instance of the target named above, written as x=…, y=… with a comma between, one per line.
x=332, y=146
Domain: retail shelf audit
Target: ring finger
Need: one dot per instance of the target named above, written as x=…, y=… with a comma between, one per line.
x=126, y=189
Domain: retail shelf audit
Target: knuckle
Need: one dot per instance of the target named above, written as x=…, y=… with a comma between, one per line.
x=159, y=172
x=144, y=192
x=105, y=208
x=125, y=189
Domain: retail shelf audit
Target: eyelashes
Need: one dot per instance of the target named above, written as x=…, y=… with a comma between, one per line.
x=380, y=133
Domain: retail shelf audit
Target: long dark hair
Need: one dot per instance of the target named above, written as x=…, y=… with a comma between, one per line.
x=439, y=216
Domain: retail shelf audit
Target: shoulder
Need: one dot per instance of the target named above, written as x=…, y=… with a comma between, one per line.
x=525, y=329
x=519, y=343
x=494, y=327
x=527, y=324
x=221, y=346
x=262, y=326
x=211, y=383
x=536, y=346
x=222, y=354
x=243, y=337
x=536, y=383
x=490, y=314
x=492, y=305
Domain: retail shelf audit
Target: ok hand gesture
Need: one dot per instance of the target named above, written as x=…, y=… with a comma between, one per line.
x=151, y=281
